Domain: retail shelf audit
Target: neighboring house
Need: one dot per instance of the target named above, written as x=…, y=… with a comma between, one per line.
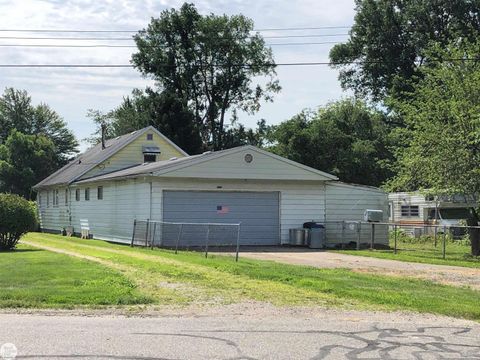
x=143, y=175
x=415, y=208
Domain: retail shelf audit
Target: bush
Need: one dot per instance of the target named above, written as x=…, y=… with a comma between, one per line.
x=17, y=216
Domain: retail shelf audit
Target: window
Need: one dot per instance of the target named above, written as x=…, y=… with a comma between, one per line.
x=66, y=197
x=77, y=195
x=55, y=197
x=40, y=203
x=87, y=194
x=147, y=158
x=149, y=136
x=409, y=210
x=48, y=198
x=100, y=193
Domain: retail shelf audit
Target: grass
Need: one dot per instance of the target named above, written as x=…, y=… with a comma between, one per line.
x=34, y=278
x=221, y=279
x=457, y=253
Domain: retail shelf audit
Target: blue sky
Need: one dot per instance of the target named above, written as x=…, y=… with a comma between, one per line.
x=71, y=92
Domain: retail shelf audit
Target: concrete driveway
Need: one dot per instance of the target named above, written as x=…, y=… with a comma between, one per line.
x=242, y=334
x=451, y=275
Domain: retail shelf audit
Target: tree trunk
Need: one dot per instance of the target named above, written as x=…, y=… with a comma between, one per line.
x=474, y=233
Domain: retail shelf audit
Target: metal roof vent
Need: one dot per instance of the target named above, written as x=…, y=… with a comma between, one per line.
x=207, y=152
x=173, y=158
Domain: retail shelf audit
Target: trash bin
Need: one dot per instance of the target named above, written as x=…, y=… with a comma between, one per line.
x=316, y=234
x=297, y=237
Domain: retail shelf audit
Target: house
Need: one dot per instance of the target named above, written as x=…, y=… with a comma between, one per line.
x=414, y=210
x=144, y=175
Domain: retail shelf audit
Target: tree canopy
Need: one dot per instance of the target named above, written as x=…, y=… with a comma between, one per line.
x=345, y=138
x=24, y=161
x=17, y=112
x=209, y=63
x=389, y=37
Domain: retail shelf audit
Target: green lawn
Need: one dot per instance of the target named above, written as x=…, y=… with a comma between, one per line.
x=220, y=279
x=30, y=277
x=457, y=254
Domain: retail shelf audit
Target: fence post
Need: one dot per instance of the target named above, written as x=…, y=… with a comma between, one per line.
x=444, y=241
x=359, y=226
x=178, y=238
x=238, y=242
x=395, y=239
x=435, y=235
x=372, y=237
x=206, y=244
x=146, y=233
x=153, y=236
x=133, y=234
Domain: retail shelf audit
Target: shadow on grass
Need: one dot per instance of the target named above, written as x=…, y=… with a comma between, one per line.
x=19, y=251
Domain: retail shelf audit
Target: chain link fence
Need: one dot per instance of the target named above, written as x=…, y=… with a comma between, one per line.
x=185, y=236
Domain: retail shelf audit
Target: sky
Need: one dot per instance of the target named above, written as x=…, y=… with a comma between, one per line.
x=71, y=92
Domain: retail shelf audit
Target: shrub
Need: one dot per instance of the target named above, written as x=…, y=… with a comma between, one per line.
x=17, y=216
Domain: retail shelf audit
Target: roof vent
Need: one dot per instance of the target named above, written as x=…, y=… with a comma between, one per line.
x=173, y=158
x=207, y=152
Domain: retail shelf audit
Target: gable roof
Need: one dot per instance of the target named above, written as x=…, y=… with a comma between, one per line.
x=96, y=155
x=163, y=168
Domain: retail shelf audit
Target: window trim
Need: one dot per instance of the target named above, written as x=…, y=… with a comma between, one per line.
x=154, y=157
x=87, y=194
x=150, y=137
x=77, y=195
x=100, y=193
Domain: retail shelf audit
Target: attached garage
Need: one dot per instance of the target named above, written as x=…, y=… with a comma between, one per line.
x=258, y=212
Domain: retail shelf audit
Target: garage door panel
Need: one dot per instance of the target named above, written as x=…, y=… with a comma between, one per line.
x=258, y=213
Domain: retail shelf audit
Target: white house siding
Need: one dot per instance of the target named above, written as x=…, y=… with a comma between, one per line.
x=299, y=201
x=412, y=199
x=349, y=202
x=52, y=217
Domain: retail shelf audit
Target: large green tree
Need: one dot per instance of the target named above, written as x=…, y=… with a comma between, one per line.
x=17, y=112
x=389, y=37
x=210, y=63
x=442, y=137
x=24, y=161
x=346, y=138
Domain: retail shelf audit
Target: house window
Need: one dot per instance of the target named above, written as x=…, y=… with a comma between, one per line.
x=100, y=193
x=87, y=194
x=149, y=136
x=55, y=197
x=409, y=211
x=40, y=200
x=48, y=198
x=66, y=197
x=77, y=195
x=148, y=158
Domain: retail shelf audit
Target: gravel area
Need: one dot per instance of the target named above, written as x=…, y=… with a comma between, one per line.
x=451, y=275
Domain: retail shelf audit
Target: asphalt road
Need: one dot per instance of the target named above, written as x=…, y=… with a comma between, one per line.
x=334, y=335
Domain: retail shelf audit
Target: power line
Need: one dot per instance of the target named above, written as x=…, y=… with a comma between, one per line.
x=220, y=65
x=130, y=39
x=135, y=31
x=134, y=46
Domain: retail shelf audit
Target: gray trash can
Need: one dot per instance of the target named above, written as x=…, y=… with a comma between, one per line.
x=316, y=235
x=298, y=237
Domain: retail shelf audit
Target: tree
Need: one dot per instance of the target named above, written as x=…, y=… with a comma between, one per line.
x=209, y=63
x=144, y=108
x=17, y=112
x=442, y=137
x=389, y=37
x=17, y=216
x=345, y=138
x=24, y=161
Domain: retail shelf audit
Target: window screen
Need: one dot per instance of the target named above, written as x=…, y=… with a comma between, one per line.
x=409, y=210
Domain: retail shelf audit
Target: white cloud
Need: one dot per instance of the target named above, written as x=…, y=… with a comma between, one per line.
x=72, y=91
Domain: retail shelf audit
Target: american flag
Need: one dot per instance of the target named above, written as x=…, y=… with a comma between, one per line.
x=222, y=209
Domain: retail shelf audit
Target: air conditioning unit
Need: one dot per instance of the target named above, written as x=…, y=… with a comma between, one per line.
x=373, y=215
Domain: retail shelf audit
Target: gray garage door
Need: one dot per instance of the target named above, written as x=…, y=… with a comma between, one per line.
x=257, y=211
